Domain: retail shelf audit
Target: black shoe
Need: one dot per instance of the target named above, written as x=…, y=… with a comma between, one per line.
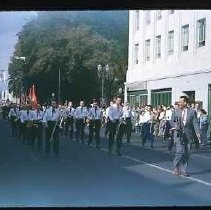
x=97, y=147
x=151, y=146
x=118, y=154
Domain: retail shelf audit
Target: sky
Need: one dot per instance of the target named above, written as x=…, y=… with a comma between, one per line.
x=10, y=24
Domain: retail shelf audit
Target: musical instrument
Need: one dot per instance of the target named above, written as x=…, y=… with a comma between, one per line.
x=122, y=121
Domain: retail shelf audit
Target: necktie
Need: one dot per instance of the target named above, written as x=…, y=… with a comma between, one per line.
x=81, y=109
x=96, y=112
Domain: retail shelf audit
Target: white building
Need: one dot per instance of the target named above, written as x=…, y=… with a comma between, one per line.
x=4, y=91
x=169, y=55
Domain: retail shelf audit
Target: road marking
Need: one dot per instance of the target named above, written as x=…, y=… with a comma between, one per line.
x=167, y=170
x=162, y=169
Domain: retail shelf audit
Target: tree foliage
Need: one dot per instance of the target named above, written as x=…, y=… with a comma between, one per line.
x=74, y=43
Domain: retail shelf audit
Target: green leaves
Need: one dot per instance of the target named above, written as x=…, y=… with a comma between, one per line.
x=74, y=42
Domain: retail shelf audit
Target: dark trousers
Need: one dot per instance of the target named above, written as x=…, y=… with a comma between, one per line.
x=80, y=125
x=69, y=125
x=55, y=139
x=13, y=125
x=107, y=128
x=39, y=135
x=128, y=128
x=26, y=133
x=94, y=128
x=120, y=129
x=147, y=133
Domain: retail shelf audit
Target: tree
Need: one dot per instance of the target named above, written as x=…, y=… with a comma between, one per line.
x=73, y=43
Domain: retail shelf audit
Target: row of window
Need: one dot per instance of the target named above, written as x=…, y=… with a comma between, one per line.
x=147, y=16
x=201, y=31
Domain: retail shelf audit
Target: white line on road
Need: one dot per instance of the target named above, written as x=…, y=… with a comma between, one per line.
x=203, y=156
x=162, y=169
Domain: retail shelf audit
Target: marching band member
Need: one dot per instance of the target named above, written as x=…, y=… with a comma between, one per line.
x=116, y=126
x=51, y=120
x=94, y=119
x=70, y=111
x=127, y=114
x=80, y=117
x=39, y=128
x=147, y=126
x=107, y=120
x=13, y=117
x=25, y=119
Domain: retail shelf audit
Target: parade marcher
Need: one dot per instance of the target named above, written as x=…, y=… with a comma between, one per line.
x=13, y=117
x=204, y=123
x=51, y=120
x=127, y=114
x=38, y=129
x=117, y=125
x=25, y=119
x=107, y=120
x=147, y=127
x=80, y=121
x=184, y=123
x=70, y=111
x=94, y=120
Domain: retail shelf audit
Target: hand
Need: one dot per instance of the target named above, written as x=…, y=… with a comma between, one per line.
x=199, y=137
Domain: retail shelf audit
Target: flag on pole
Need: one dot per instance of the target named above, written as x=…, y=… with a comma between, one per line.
x=33, y=97
x=30, y=94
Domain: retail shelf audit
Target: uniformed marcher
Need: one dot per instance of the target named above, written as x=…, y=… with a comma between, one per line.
x=51, y=120
x=107, y=120
x=94, y=120
x=117, y=125
x=13, y=118
x=80, y=121
x=184, y=123
x=25, y=118
x=38, y=129
x=70, y=111
x=127, y=114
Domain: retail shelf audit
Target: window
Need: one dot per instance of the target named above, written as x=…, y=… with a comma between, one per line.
x=136, y=53
x=170, y=42
x=201, y=30
x=137, y=19
x=171, y=12
x=158, y=47
x=147, y=17
x=158, y=15
x=147, y=50
x=185, y=37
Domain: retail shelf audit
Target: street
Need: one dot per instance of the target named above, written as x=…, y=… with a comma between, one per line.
x=88, y=177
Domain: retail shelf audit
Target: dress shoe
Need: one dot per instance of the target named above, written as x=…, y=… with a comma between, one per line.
x=176, y=171
x=184, y=174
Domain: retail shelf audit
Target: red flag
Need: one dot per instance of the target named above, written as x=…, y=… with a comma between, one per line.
x=33, y=97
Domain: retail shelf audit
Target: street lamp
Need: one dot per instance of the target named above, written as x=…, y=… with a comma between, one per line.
x=103, y=73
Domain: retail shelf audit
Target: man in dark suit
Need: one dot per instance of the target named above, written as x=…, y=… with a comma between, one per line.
x=185, y=126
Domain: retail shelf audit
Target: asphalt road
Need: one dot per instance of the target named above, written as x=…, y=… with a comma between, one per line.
x=87, y=177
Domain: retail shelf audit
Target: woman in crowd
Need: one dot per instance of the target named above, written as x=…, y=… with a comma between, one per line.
x=204, y=123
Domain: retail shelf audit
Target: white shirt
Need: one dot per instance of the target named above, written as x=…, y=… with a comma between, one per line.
x=51, y=115
x=146, y=117
x=115, y=112
x=70, y=113
x=26, y=115
x=13, y=112
x=81, y=112
x=127, y=112
x=92, y=115
x=168, y=114
x=184, y=115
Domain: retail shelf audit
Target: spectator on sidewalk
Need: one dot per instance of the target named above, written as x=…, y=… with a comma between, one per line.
x=203, y=126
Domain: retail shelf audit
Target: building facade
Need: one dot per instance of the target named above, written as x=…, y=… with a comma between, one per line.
x=4, y=91
x=169, y=55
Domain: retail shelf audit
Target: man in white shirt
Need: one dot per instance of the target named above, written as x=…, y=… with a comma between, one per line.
x=51, y=121
x=70, y=112
x=127, y=115
x=80, y=121
x=107, y=120
x=116, y=127
x=13, y=118
x=95, y=118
